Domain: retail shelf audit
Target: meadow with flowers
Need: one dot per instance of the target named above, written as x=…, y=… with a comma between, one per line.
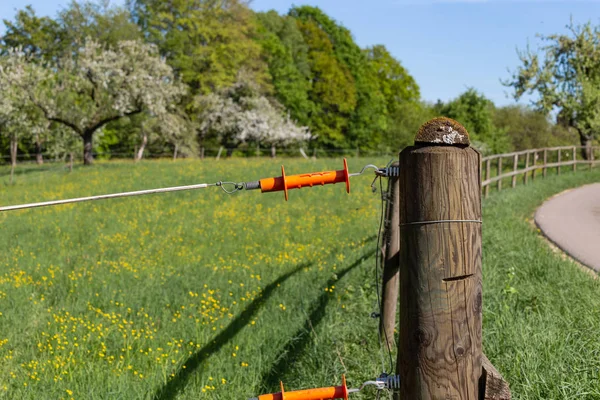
x=204, y=295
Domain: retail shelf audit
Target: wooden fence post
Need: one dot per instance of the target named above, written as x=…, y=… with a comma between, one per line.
x=439, y=350
x=526, y=166
x=499, y=173
x=389, y=293
x=574, y=158
x=535, y=157
x=439, y=347
x=488, y=165
x=515, y=167
x=558, y=161
x=545, y=162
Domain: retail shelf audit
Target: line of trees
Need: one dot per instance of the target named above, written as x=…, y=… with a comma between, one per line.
x=182, y=75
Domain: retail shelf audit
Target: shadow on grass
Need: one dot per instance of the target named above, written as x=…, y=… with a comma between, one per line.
x=296, y=345
x=170, y=389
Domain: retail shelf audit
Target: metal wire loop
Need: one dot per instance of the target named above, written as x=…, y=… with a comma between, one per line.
x=236, y=186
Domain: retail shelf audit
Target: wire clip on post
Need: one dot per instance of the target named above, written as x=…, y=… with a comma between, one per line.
x=388, y=382
x=285, y=183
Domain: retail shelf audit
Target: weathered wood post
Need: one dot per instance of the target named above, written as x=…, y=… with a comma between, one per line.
x=534, y=172
x=488, y=165
x=439, y=350
x=526, y=166
x=574, y=158
x=545, y=162
x=515, y=167
x=558, y=167
x=499, y=183
x=391, y=263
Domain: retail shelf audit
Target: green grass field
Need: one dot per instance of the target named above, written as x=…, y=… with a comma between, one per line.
x=206, y=295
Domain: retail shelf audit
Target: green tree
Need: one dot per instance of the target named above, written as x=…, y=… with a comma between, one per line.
x=38, y=37
x=286, y=54
x=367, y=121
x=475, y=112
x=99, y=20
x=405, y=113
x=529, y=129
x=404, y=123
x=46, y=39
x=207, y=42
x=332, y=91
x=566, y=79
x=395, y=83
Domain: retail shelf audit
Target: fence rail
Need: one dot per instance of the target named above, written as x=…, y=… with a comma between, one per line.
x=529, y=162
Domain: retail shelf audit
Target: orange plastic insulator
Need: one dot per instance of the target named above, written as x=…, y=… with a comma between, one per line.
x=326, y=393
x=285, y=183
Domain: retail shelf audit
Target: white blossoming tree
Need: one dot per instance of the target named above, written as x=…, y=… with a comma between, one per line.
x=18, y=118
x=240, y=115
x=96, y=86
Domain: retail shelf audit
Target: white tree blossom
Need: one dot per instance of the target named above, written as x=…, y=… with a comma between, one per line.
x=236, y=119
x=18, y=119
x=97, y=85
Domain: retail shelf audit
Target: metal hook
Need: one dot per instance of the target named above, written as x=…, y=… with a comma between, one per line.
x=236, y=186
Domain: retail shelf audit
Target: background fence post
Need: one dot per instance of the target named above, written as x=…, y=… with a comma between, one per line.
x=535, y=157
x=488, y=165
x=389, y=298
x=558, y=161
x=525, y=175
x=515, y=167
x=545, y=162
x=574, y=158
x=439, y=354
x=499, y=173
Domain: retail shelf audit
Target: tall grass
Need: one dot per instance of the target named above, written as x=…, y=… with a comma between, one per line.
x=205, y=295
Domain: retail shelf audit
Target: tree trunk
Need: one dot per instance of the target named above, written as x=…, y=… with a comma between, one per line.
x=140, y=152
x=273, y=151
x=71, y=162
x=586, y=142
x=88, y=156
x=175, y=152
x=202, y=152
x=13, y=157
x=229, y=152
x=39, y=158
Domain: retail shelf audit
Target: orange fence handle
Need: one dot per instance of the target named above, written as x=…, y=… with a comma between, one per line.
x=285, y=183
x=326, y=393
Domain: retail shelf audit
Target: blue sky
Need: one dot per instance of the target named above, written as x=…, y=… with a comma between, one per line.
x=447, y=45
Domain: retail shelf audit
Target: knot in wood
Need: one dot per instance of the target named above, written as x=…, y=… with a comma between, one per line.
x=443, y=131
x=421, y=338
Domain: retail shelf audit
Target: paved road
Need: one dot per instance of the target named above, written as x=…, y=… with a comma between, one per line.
x=572, y=221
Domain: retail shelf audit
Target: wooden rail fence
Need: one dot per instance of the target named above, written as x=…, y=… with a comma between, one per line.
x=531, y=161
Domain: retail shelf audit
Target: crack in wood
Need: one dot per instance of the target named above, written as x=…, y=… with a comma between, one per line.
x=457, y=278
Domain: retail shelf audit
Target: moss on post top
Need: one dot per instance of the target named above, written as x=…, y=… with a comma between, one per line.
x=444, y=131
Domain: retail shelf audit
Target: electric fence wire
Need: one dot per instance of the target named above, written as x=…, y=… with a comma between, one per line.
x=378, y=265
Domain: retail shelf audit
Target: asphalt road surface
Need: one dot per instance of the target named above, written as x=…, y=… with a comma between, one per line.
x=572, y=221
